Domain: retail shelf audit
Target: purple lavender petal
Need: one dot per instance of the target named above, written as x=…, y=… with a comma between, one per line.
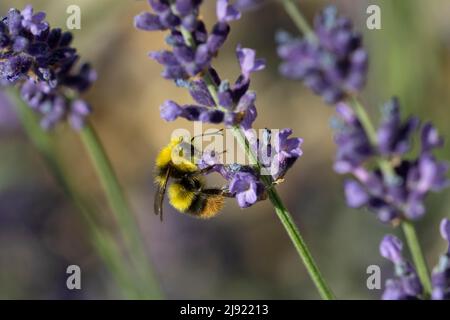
x=226, y=12
x=355, y=194
x=148, y=22
x=391, y=249
x=249, y=63
x=247, y=187
x=170, y=110
x=430, y=138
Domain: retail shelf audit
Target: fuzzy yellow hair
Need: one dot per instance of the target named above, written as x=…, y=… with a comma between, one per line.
x=167, y=155
x=180, y=198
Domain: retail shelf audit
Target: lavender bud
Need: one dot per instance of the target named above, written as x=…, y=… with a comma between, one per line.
x=391, y=249
x=355, y=194
x=226, y=12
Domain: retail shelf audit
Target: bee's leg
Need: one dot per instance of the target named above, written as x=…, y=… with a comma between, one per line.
x=218, y=192
x=274, y=183
x=277, y=182
x=206, y=170
x=228, y=194
x=218, y=132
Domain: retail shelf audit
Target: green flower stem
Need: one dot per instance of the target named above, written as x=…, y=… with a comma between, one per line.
x=417, y=255
x=365, y=121
x=282, y=213
x=105, y=247
x=120, y=208
x=297, y=17
x=371, y=132
x=385, y=166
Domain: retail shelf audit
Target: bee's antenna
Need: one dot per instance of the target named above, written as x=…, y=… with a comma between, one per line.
x=218, y=132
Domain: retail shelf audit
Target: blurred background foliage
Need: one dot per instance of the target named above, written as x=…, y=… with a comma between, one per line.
x=241, y=253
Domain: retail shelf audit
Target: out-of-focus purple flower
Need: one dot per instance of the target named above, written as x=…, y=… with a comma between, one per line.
x=394, y=290
x=441, y=273
x=394, y=135
x=390, y=197
x=406, y=284
x=41, y=62
x=445, y=230
x=427, y=175
x=430, y=138
x=248, y=189
x=391, y=248
x=334, y=64
x=80, y=109
x=353, y=144
x=355, y=194
x=246, y=5
x=34, y=22
x=440, y=279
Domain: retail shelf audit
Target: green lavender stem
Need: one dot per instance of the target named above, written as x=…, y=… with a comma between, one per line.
x=120, y=208
x=366, y=123
x=417, y=255
x=282, y=213
x=297, y=17
x=103, y=244
x=385, y=166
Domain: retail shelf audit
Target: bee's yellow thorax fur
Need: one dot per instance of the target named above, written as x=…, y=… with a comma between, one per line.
x=168, y=154
x=180, y=198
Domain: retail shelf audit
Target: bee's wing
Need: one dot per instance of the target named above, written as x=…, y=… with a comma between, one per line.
x=159, y=195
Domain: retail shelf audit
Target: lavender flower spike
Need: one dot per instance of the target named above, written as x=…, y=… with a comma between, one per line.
x=334, y=65
x=40, y=61
x=390, y=198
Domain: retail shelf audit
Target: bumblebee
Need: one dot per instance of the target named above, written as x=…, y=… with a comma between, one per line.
x=188, y=192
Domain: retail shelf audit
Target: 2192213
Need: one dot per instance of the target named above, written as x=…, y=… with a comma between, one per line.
x=245, y=309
